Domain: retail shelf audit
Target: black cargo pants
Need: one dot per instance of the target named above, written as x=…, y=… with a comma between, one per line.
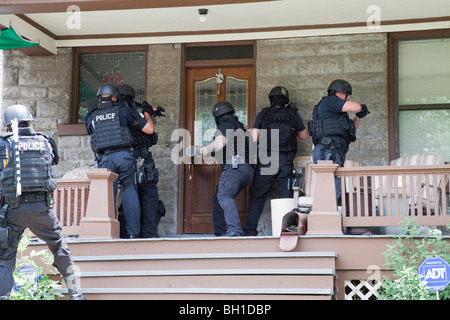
x=42, y=221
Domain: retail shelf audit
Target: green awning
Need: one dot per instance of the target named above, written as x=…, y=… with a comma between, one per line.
x=9, y=39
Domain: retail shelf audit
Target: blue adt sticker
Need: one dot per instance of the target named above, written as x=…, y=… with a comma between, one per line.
x=28, y=274
x=436, y=273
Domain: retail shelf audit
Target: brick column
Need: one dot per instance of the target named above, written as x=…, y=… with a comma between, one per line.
x=100, y=220
x=324, y=217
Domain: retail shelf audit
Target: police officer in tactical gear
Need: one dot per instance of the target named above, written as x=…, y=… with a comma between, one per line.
x=27, y=181
x=152, y=208
x=231, y=148
x=110, y=125
x=281, y=117
x=331, y=128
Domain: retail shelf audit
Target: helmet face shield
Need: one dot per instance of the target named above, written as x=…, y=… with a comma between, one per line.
x=18, y=112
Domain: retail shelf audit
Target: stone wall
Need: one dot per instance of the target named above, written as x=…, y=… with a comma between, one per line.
x=306, y=66
x=163, y=89
x=41, y=83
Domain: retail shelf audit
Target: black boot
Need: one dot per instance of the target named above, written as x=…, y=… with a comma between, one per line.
x=74, y=289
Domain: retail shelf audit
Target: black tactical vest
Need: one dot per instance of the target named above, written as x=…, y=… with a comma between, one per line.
x=143, y=140
x=342, y=126
x=281, y=119
x=107, y=132
x=240, y=145
x=36, y=158
x=140, y=139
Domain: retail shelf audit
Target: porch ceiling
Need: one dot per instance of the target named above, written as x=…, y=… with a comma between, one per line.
x=107, y=22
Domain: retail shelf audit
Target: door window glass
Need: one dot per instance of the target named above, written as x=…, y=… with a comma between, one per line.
x=238, y=97
x=205, y=99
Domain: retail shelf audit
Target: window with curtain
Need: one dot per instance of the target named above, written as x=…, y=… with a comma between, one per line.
x=424, y=96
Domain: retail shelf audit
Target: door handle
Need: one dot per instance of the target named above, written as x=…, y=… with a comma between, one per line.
x=190, y=172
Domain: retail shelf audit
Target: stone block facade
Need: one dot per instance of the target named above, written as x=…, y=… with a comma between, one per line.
x=305, y=66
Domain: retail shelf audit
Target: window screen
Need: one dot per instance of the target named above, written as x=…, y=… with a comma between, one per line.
x=424, y=96
x=424, y=71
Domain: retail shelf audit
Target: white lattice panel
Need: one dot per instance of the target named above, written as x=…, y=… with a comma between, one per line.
x=361, y=289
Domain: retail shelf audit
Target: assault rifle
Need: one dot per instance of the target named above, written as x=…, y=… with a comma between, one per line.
x=146, y=107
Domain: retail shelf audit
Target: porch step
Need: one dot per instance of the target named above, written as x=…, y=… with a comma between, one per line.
x=233, y=275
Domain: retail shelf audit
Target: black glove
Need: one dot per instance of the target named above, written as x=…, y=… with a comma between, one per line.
x=159, y=112
x=364, y=112
x=146, y=107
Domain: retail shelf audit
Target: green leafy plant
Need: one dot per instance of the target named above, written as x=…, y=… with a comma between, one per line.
x=36, y=285
x=405, y=255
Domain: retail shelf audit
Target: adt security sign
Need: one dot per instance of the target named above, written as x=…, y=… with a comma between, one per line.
x=436, y=272
x=27, y=274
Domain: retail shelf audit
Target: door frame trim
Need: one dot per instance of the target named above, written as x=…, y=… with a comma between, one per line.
x=205, y=64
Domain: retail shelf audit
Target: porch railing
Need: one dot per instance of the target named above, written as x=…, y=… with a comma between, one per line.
x=383, y=196
x=85, y=207
x=374, y=196
x=71, y=196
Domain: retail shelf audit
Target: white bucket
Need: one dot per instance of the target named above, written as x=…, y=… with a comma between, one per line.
x=279, y=207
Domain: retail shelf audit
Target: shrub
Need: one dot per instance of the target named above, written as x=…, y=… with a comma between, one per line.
x=404, y=257
x=42, y=289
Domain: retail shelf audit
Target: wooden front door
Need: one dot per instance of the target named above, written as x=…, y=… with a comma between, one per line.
x=204, y=88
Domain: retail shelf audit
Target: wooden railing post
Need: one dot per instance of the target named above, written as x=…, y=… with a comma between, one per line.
x=100, y=220
x=324, y=217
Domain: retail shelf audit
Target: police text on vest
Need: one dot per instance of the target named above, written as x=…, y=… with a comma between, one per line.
x=31, y=145
x=107, y=116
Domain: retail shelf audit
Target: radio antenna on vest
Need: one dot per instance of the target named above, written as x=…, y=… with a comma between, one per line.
x=15, y=130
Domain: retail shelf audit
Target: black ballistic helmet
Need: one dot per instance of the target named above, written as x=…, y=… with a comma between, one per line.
x=109, y=89
x=221, y=108
x=339, y=85
x=16, y=111
x=279, y=91
x=127, y=90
